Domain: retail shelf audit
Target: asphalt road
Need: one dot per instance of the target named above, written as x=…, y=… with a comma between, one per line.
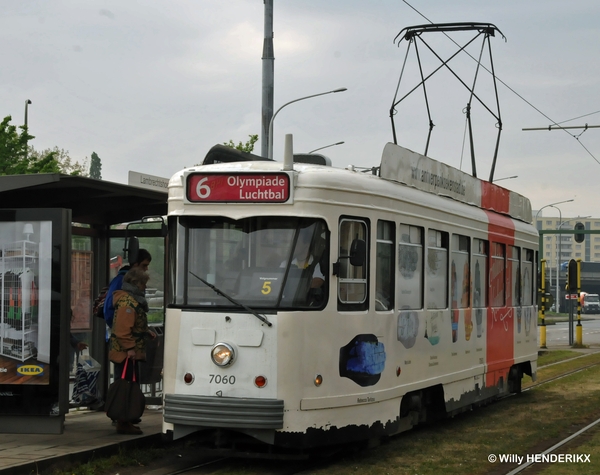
x=558, y=334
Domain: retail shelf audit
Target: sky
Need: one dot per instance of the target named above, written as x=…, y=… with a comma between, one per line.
x=151, y=86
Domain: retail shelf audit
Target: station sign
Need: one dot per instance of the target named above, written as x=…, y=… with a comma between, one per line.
x=143, y=180
x=238, y=187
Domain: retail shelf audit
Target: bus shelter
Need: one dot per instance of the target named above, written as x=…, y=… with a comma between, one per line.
x=58, y=235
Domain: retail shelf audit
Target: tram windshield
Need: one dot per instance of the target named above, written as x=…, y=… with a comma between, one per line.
x=263, y=263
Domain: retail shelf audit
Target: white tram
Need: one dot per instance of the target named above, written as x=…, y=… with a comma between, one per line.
x=312, y=306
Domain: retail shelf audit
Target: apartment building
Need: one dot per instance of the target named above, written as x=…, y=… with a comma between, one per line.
x=562, y=248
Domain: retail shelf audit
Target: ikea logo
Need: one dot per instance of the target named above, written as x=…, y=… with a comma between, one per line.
x=30, y=370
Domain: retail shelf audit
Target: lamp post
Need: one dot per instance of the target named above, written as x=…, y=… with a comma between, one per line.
x=342, y=89
x=27, y=102
x=559, y=259
x=553, y=205
x=326, y=146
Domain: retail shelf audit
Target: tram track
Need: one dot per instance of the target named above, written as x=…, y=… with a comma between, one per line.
x=538, y=465
x=539, y=460
x=561, y=376
x=202, y=461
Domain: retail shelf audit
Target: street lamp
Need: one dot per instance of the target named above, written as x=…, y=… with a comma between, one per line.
x=553, y=205
x=27, y=102
x=326, y=146
x=342, y=89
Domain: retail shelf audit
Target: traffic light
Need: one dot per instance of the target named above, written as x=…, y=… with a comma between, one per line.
x=579, y=237
x=572, y=275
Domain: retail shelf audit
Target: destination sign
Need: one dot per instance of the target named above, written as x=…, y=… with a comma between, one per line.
x=238, y=187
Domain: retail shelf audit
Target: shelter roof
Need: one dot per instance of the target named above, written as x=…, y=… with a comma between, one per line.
x=91, y=201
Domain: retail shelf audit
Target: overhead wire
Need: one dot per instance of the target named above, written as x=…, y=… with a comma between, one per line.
x=576, y=137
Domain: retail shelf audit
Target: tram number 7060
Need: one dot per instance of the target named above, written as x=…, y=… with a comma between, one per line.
x=218, y=379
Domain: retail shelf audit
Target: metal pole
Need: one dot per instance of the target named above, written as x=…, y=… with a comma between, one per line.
x=558, y=127
x=579, y=328
x=341, y=89
x=542, y=309
x=538, y=213
x=559, y=255
x=27, y=102
x=559, y=236
x=571, y=318
x=268, y=78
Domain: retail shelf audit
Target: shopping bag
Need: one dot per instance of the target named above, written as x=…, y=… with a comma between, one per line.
x=125, y=400
x=89, y=364
x=85, y=388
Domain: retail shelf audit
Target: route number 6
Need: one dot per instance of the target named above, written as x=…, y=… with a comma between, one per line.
x=202, y=190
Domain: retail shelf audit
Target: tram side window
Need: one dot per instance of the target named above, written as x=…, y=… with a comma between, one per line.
x=352, y=279
x=514, y=272
x=460, y=272
x=410, y=267
x=437, y=269
x=384, y=272
x=480, y=283
x=497, y=280
x=527, y=279
x=480, y=255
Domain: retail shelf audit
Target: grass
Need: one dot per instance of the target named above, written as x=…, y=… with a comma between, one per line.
x=549, y=357
x=562, y=367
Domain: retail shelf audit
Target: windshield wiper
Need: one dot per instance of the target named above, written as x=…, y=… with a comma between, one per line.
x=233, y=301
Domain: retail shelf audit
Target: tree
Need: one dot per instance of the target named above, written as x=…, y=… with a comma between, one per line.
x=65, y=163
x=247, y=147
x=14, y=156
x=96, y=167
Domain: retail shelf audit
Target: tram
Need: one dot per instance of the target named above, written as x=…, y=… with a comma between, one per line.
x=311, y=306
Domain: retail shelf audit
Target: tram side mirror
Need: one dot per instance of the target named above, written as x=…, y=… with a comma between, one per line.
x=358, y=252
x=132, y=249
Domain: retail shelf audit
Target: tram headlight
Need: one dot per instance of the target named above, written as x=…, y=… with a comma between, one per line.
x=222, y=354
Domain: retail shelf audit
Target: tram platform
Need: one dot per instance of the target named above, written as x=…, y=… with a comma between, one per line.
x=87, y=435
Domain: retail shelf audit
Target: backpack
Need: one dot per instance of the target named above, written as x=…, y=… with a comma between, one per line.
x=98, y=307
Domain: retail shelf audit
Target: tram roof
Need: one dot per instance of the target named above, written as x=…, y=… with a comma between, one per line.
x=398, y=164
x=91, y=201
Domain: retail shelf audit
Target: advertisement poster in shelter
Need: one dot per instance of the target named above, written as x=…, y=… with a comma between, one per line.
x=25, y=295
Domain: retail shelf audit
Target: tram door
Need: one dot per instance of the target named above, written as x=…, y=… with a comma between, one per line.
x=151, y=236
